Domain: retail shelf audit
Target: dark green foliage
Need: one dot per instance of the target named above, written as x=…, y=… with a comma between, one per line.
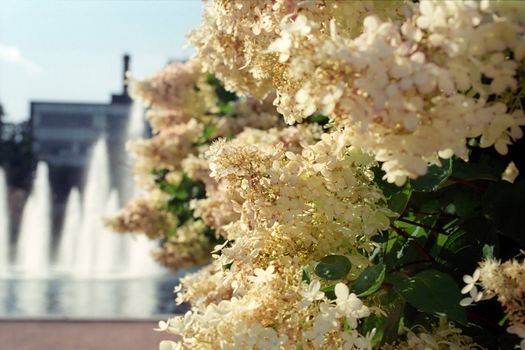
x=180, y=195
x=399, y=200
x=224, y=95
x=306, y=277
x=434, y=292
x=369, y=281
x=318, y=118
x=449, y=220
x=333, y=267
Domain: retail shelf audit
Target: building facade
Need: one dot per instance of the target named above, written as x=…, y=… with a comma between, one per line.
x=63, y=134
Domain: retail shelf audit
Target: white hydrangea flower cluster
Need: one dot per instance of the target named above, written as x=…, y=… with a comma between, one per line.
x=249, y=113
x=183, y=103
x=168, y=148
x=506, y=282
x=409, y=91
x=327, y=182
x=179, y=88
x=402, y=83
x=219, y=208
x=234, y=34
x=143, y=214
x=297, y=205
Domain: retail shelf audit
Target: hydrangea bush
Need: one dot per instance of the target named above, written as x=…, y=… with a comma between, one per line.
x=339, y=169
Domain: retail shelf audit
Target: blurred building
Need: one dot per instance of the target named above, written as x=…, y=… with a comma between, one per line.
x=64, y=132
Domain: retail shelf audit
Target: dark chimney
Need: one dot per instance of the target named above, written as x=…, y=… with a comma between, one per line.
x=123, y=98
x=124, y=80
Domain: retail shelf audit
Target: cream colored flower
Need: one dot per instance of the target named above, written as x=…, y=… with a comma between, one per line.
x=263, y=276
x=312, y=293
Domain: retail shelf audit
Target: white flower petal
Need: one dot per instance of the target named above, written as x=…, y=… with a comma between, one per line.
x=167, y=345
x=466, y=301
x=467, y=279
x=341, y=291
x=478, y=297
x=467, y=289
x=475, y=275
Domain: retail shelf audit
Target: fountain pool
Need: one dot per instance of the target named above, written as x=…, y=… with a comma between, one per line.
x=90, y=272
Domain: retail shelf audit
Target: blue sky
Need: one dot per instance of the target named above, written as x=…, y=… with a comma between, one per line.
x=71, y=50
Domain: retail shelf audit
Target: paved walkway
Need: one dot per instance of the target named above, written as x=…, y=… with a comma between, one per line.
x=79, y=335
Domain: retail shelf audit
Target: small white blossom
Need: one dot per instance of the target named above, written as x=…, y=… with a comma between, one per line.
x=470, y=281
x=474, y=297
x=312, y=293
x=169, y=345
x=263, y=276
x=348, y=304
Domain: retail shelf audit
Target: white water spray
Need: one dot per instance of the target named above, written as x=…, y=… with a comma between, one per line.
x=86, y=248
x=34, y=240
x=95, y=196
x=4, y=224
x=109, y=254
x=70, y=229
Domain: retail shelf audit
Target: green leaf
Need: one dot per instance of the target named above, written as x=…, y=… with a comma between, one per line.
x=318, y=118
x=488, y=251
x=225, y=107
x=435, y=177
x=208, y=132
x=220, y=91
x=402, y=252
x=171, y=233
x=398, y=201
x=329, y=291
x=432, y=291
x=346, y=325
x=333, y=267
x=369, y=281
x=392, y=324
x=306, y=275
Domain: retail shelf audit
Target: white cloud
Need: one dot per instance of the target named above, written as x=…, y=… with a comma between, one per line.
x=11, y=54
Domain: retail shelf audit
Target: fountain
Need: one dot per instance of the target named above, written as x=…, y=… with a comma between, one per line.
x=86, y=249
x=96, y=193
x=34, y=240
x=94, y=272
x=70, y=228
x=4, y=224
x=109, y=253
x=140, y=262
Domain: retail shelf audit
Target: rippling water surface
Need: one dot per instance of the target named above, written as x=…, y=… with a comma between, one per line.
x=115, y=298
